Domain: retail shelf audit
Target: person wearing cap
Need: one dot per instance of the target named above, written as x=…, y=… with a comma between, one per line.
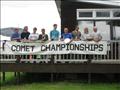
x=43, y=37
x=25, y=34
x=16, y=35
x=54, y=34
x=34, y=36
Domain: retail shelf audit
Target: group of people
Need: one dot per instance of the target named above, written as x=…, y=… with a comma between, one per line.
x=75, y=35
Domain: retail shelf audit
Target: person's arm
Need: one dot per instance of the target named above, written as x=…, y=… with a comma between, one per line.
x=46, y=37
x=39, y=38
x=28, y=35
x=79, y=36
x=58, y=35
x=29, y=38
x=22, y=36
x=71, y=37
x=100, y=37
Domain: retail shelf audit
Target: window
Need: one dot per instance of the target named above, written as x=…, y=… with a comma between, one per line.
x=98, y=14
x=85, y=14
x=102, y=14
x=116, y=13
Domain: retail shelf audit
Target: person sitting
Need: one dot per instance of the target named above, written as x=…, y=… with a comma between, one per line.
x=16, y=35
x=66, y=36
x=96, y=35
x=43, y=37
x=25, y=34
x=76, y=34
x=54, y=34
x=86, y=36
x=34, y=36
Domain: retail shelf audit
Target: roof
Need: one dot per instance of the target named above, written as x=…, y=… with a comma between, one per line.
x=104, y=2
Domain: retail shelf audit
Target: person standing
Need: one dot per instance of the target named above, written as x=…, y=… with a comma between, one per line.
x=96, y=35
x=76, y=34
x=54, y=34
x=43, y=37
x=34, y=36
x=86, y=36
x=16, y=35
x=66, y=36
x=25, y=34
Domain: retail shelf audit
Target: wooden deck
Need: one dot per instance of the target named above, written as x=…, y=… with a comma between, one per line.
x=61, y=67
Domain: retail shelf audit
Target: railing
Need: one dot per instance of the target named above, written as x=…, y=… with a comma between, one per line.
x=113, y=56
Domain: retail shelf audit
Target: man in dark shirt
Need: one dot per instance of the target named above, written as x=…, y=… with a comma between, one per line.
x=43, y=37
x=25, y=34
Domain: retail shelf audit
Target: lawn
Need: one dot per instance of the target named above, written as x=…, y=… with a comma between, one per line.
x=65, y=85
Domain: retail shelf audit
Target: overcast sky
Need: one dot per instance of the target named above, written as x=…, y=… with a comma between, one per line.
x=40, y=14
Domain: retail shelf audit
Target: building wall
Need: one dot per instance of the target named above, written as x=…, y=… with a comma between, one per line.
x=68, y=12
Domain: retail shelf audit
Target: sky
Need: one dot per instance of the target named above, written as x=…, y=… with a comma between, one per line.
x=40, y=14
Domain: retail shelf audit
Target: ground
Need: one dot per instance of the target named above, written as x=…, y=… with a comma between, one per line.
x=64, y=85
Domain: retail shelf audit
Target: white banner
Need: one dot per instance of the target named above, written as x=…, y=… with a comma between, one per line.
x=55, y=47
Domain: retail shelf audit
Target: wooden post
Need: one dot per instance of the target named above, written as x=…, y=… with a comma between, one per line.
x=89, y=78
x=52, y=77
x=15, y=74
x=3, y=77
x=18, y=78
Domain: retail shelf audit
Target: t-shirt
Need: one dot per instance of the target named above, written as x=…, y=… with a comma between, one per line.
x=96, y=35
x=34, y=36
x=25, y=35
x=15, y=36
x=54, y=35
x=86, y=36
x=43, y=37
x=76, y=34
x=67, y=35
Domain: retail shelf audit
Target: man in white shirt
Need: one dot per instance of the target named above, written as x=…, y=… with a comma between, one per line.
x=34, y=36
x=96, y=35
x=86, y=36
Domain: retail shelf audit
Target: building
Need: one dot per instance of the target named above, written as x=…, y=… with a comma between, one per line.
x=68, y=12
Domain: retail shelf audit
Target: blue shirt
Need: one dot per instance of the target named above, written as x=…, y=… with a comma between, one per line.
x=15, y=36
x=67, y=35
x=54, y=35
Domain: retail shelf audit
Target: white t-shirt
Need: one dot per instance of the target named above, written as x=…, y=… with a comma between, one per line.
x=96, y=35
x=86, y=36
x=34, y=36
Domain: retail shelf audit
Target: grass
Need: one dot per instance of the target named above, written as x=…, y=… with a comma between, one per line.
x=65, y=85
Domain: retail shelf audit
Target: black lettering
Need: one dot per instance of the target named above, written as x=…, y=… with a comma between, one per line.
x=13, y=47
x=53, y=47
x=77, y=46
x=62, y=46
x=101, y=47
x=82, y=47
x=95, y=47
x=32, y=47
x=43, y=48
x=71, y=46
